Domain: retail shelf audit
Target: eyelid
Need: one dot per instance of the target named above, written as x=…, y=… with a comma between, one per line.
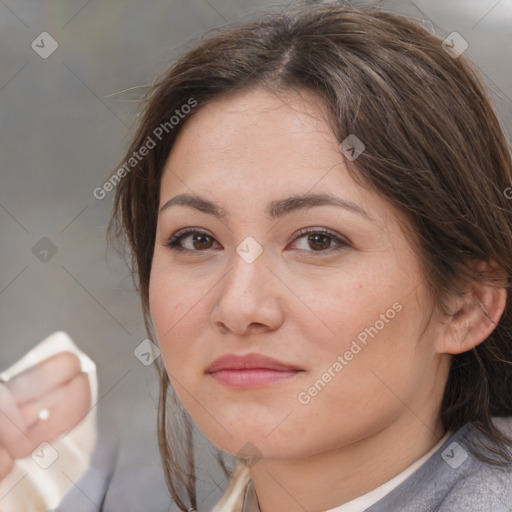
x=182, y=233
x=312, y=229
x=342, y=242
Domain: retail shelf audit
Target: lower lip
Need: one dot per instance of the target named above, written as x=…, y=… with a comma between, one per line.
x=252, y=378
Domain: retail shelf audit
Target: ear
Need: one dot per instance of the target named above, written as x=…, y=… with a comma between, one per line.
x=476, y=312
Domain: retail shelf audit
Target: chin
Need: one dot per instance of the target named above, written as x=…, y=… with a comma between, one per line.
x=255, y=441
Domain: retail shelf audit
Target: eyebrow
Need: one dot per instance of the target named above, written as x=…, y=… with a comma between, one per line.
x=275, y=209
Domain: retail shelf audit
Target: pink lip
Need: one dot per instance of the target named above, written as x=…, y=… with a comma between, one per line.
x=250, y=370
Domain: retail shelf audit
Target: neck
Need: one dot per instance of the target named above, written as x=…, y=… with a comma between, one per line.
x=331, y=478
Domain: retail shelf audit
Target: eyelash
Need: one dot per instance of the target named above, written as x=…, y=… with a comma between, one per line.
x=183, y=233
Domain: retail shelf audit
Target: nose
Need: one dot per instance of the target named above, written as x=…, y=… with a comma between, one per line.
x=249, y=298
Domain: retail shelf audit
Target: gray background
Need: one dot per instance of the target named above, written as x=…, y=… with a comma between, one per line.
x=65, y=123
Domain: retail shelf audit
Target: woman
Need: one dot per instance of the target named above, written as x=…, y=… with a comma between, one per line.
x=315, y=207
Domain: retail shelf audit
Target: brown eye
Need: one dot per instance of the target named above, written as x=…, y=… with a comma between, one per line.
x=201, y=241
x=191, y=240
x=319, y=240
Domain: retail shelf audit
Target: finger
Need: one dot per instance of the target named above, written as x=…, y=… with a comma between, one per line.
x=9, y=410
x=6, y=463
x=36, y=410
x=38, y=380
x=13, y=430
x=67, y=406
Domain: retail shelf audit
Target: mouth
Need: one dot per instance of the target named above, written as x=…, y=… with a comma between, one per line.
x=250, y=371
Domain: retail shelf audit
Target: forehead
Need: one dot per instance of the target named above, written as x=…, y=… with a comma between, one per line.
x=256, y=146
x=257, y=118
x=256, y=134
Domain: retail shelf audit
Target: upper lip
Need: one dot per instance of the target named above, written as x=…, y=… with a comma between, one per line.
x=249, y=361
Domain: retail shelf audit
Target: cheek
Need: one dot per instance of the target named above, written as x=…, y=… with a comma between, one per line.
x=170, y=306
x=172, y=294
x=362, y=344
x=339, y=307
x=178, y=305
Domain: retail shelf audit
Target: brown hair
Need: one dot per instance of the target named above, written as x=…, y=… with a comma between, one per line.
x=434, y=149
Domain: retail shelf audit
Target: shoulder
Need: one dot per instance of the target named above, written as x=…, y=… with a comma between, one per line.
x=482, y=485
x=455, y=479
x=487, y=489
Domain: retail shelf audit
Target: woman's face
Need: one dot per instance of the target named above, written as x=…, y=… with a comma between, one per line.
x=333, y=292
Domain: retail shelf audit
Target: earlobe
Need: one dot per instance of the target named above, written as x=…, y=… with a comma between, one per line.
x=476, y=314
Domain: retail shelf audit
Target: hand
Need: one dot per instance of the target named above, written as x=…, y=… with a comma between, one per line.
x=40, y=404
